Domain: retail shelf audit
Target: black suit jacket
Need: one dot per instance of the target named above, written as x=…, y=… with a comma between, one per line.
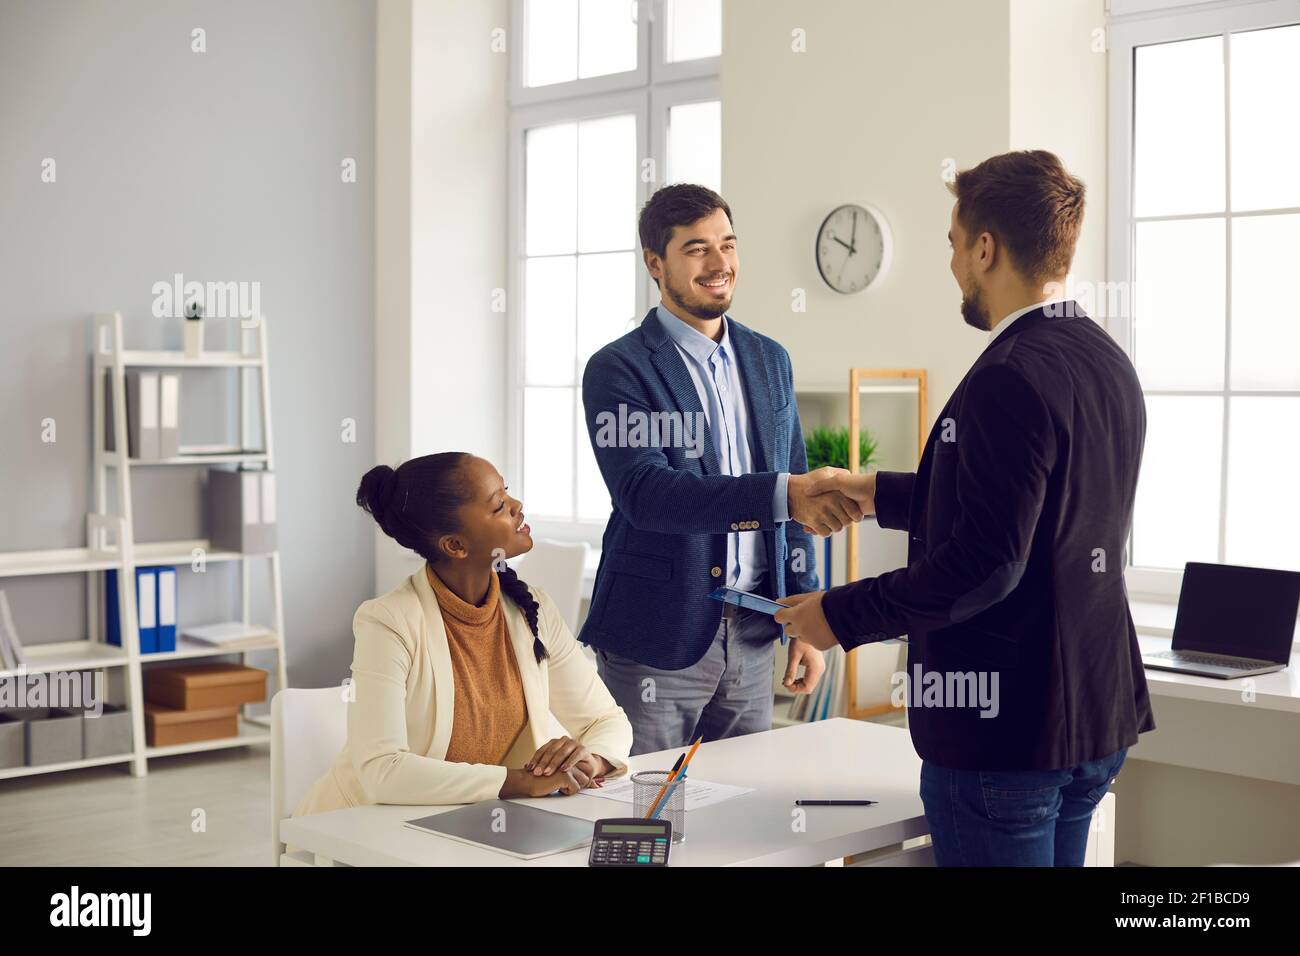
x=1018, y=516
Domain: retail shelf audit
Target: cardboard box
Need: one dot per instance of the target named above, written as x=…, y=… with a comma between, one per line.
x=164, y=726
x=202, y=686
x=107, y=735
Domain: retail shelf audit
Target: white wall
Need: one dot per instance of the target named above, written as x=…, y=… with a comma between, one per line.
x=1058, y=102
x=459, y=212
x=886, y=92
x=441, y=239
x=224, y=166
x=392, y=260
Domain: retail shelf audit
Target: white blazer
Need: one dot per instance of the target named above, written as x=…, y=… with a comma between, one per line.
x=400, y=723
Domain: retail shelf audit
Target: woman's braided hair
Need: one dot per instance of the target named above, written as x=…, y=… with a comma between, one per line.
x=417, y=502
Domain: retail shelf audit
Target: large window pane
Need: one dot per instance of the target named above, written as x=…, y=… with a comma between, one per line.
x=551, y=189
x=1265, y=115
x=606, y=37
x=1265, y=315
x=1178, y=128
x=548, y=451
x=607, y=174
x=1263, y=462
x=1178, y=303
x=694, y=29
x=567, y=40
x=695, y=144
x=1176, y=514
x=550, y=41
x=606, y=300
x=593, y=498
x=549, y=320
x=581, y=273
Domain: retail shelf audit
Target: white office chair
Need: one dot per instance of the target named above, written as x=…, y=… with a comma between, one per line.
x=556, y=567
x=308, y=729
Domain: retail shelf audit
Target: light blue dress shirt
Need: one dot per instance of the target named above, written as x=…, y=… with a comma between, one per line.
x=713, y=370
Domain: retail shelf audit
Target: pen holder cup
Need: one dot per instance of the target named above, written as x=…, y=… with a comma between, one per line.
x=648, y=791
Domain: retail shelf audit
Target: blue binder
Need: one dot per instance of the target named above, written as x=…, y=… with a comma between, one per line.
x=166, y=640
x=146, y=608
x=112, y=619
x=146, y=604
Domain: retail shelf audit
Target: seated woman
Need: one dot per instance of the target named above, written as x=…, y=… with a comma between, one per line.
x=457, y=669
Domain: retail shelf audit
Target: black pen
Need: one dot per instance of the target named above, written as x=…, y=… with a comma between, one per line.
x=833, y=803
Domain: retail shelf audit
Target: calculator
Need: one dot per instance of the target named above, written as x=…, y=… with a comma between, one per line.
x=631, y=841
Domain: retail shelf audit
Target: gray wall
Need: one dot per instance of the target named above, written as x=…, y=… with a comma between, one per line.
x=223, y=166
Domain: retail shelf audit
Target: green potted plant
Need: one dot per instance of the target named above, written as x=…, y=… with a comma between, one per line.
x=830, y=446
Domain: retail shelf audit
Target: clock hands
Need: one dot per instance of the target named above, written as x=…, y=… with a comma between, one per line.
x=851, y=272
x=852, y=244
x=859, y=269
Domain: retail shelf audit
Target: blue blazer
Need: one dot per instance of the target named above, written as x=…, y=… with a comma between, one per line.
x=665, y=546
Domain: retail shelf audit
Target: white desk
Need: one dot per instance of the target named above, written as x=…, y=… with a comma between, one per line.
x=1277, y=691
x=847, y=758
x=1218, y=780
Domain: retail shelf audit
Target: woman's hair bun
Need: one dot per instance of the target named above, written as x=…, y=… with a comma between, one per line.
x=375, y=493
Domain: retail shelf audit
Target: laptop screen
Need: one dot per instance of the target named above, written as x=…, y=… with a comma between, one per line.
x=1244, y=612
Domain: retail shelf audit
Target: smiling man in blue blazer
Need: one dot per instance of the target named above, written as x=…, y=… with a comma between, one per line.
x=693, y=423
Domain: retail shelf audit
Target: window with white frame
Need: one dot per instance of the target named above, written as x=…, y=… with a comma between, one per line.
x=1205, y=225
x=610, y=99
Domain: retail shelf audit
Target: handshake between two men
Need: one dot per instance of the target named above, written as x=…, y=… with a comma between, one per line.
x=826, y=500
x=823, y=501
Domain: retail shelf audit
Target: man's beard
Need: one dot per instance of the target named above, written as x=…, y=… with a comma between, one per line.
x=699, y=310
x=974, y=311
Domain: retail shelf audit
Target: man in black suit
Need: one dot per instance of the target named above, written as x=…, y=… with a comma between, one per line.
x=1025, y=682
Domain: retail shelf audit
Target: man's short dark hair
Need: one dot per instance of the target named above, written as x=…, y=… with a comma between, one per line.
x=677, y=205
x=1030, y=203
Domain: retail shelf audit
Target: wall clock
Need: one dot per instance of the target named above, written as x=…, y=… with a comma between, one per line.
x=853, y=247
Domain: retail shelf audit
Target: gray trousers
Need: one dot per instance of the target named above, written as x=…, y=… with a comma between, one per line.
x=727, y=693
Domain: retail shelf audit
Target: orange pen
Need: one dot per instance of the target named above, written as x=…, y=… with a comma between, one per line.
x=677, y=776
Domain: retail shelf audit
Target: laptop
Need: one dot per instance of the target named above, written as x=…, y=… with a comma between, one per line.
x=518, y=829
x=1232, y=622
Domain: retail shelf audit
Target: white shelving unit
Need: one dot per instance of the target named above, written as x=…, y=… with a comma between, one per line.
x=111, y=545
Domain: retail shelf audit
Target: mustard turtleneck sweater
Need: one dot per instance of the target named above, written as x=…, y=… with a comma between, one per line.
x=489, y=712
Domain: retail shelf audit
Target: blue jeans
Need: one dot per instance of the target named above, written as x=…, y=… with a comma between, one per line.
x=1014, y=817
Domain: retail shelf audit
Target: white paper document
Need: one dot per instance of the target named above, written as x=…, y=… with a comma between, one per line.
x=228, y=633
x=699, y=793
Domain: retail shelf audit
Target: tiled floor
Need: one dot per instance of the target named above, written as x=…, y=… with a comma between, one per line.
x=102, y=816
